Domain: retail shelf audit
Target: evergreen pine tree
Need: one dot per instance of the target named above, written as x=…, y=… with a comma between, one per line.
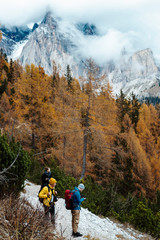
x=123, y=108
x=69, y=77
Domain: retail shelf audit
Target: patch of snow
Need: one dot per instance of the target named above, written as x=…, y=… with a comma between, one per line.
x=44, y=29
x=138, y=86
x=90, y=224
x=17, y=50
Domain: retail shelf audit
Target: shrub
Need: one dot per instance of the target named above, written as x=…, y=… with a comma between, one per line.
x=156, y=230
x=143, y=218
x=35, y=172
x=112, y=213
x=18, y=220
x=15, y=176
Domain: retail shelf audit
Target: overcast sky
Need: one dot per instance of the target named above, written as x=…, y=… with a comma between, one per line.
x=134, y=24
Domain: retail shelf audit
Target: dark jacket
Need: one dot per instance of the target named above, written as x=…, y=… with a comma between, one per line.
x=45, y=178
x=77, y=199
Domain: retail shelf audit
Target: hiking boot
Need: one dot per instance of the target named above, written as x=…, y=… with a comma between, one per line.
x=77, y=234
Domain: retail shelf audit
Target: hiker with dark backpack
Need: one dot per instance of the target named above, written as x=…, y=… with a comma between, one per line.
x=48, y=194
x=46, y=177
x=74, y=204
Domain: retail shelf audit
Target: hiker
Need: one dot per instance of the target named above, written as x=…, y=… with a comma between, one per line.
x=46, y=177
x=48, y=194
x=76, y=198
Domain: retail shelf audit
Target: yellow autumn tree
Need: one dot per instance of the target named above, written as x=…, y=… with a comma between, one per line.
x=103, y=129
x=154, y=122
x=142, y=173
x=145, y=136
x=32, y=105
x=68, y=131
x=91, y=84
x=155, y=166
x=144, y=114
x=5, y=114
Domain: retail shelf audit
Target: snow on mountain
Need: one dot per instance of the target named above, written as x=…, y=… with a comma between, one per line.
x=13, y=37
x=139, y=74
x=90, y=224
x=15, y=54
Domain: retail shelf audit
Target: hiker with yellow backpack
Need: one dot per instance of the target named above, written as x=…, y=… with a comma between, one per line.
x=48, y=196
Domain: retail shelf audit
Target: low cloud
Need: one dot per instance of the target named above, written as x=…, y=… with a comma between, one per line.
x=108, y=46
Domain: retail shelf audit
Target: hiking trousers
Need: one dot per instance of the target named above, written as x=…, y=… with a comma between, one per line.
x=75, y=220
x=50, y=210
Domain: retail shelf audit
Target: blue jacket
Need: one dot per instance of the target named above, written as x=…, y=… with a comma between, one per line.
x=77, y=199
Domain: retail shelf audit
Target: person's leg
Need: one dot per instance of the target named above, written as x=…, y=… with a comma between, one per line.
x=75, y=220
x=46, y=211
x=52, y=211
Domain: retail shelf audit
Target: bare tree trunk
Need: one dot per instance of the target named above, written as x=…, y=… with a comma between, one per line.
x=64, y=150
x=92, y=79
x=85, y=138
x=12, y=130
x=33, y=140
x=84, y=153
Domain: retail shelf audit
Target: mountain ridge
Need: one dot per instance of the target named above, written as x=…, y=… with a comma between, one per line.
x=55, y=40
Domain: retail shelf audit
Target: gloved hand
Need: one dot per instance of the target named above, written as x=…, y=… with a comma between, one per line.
x=82, y=199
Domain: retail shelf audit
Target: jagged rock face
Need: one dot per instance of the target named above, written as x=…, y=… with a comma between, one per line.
x=34, y=27
x=15, y=33
x=87, y=29
x=138, y=74
x=46, y=44
x=7, y=44
x=52, y=41
x=142, y=64
x=11, y=36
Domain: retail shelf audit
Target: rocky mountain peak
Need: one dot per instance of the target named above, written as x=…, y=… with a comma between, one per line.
x=143, y=62
x=49, y=20
x=138, y=73
x=140, y=65
x=47, y=44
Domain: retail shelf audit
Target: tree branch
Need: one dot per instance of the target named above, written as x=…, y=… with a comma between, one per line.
x=6, y=169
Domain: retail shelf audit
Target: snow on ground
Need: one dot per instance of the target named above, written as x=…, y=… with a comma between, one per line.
x=90, y=224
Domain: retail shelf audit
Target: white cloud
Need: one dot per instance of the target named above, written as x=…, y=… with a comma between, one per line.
x=22, y=11
x=108, y=46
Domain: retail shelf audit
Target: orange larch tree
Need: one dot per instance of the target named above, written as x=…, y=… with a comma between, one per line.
x=32, y=105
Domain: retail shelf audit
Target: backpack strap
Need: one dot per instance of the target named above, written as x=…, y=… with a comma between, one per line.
x=54, y=197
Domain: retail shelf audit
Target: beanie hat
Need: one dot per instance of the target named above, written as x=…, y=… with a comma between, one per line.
x=52, y=181
x=81, y=186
